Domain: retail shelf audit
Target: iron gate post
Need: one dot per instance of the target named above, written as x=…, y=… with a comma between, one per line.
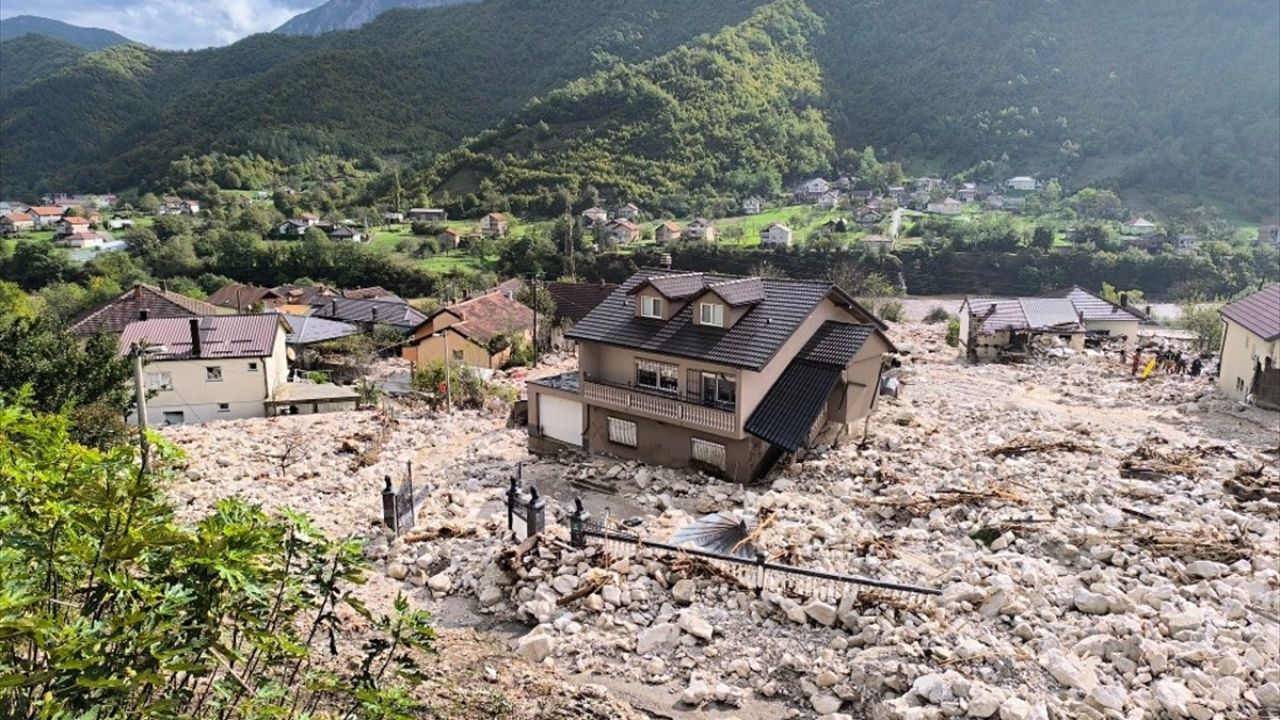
x=389, y=506
x=513, y=497
x=760, y=574
x=535, y=516
x=577, y=524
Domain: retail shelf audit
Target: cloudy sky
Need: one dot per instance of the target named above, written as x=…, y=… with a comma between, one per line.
x=173, y=24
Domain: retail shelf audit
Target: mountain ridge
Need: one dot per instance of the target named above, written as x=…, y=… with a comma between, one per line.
x=86, y=38
x=350, y=14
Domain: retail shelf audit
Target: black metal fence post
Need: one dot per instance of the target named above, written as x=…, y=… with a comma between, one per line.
x=760, y=574
x=513, y=497
x=577, y=524
x=389, y=506
x=535, y=513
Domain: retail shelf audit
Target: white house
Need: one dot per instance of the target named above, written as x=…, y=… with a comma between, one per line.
x=493, y=225
x=811, y=189
x=828, y=200
x=1139, y=226
x=700, y=229
x=947, y=206
x=1250, y=364
x=1101, y=316
x=775, y=234
x=752, y=206
x=594, y=217
x=1022, y=183
x=217, y=367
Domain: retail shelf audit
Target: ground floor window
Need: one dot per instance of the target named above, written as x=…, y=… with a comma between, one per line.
x=224, y=407
x=708, y=453
x=159, y=381
x=622, y=432
x=173, y=418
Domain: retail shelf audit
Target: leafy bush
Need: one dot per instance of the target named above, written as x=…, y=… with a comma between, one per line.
x=1202, y=318
x=953, y=332
x=468, y=388
x=113, y=609
x=891, y=311
x=937, y=315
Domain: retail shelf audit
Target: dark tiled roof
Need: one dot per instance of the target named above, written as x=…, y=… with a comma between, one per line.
x=567, y=382
x=239, y=296
x=1259, y=313
x=221, y=336
x=575, y=300
x=835, y=343
x=673, y=286
x=308, y=329
x=787, y=412
x=389, y=311
x=1094, y=307
x=114, y=315
x=750, y=343
x=743, y=291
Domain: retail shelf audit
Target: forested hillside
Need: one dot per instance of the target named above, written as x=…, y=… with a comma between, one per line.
x=82, y=37
x=30, y=57
x=735, y=109
x=1169, y=98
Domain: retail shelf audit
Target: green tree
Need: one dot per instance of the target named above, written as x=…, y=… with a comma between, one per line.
x=1201, y=317
x=1042, y=237
x=114, y=609
x=36, y=263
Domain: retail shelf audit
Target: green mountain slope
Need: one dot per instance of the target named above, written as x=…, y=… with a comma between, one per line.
x=412, y=82
x=348, y=15
x=734, y=108
x=82, y=37
x=26, y=58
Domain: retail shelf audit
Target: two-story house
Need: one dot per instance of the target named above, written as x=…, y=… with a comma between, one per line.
x=1250, y=365
x=210, y=368
x=700, y=229
x=476, y=332
x=666, y=233
x=493, y=225
x=721, y=372
x=775, y=234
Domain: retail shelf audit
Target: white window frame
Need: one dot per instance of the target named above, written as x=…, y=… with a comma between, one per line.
x=651, y=307
x=707, y=452
x=213, y=373
x=716, y=314
x=623, y=432
x=658, y=369
x=159, y=381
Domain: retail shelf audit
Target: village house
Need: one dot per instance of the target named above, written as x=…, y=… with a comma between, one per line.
x=81, y=239
x=700, y=229
x=16, y=222
x=752, y=206
x=828, y=200
x=244, y=298
x=878, y=244
x=630, y=211
x=345, y=233
x=392, y=218
x=723, y=373
x=594, y=217
x=174, y=205
x=868, y=216
x=69, y=225
x=967, y=192
x=450, y=239
x=292, y=228
x=621, y=232
x=307, y=331
x=1102, y=317
x=1250, y=357
x=1269, y=234
x=427, y=215
x=45, y=215
x=1187, y=244
x=666, y=233
x=1015, y=203
x=928, y=184
x=946, y=206
x=1138, y=226
x=478, y=332
x=998, y=328
x=141, y=301
x=369, y=313
x=775, y=234
x=811, y=190
x=1022, y=183
x=493, y=225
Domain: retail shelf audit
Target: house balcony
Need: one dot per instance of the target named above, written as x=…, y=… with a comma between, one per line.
x=666, y=407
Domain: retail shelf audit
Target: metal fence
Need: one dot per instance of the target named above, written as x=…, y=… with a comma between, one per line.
x=399, y=507
x=754, y=573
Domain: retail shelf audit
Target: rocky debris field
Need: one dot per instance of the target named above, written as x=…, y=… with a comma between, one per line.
x=1104, y=549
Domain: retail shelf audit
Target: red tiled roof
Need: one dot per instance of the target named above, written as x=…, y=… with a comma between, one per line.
x=46, y=211
x=18, y=217
x=113, y=315
x=239, y=296
x=74, y=220
x=1258, y=313
x=490, y=315
x=221, y=336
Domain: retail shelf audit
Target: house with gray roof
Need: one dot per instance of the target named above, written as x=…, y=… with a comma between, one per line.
x=723, y=373
x=1008, y=328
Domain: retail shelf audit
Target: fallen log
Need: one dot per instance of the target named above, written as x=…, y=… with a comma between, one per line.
x=586, y=589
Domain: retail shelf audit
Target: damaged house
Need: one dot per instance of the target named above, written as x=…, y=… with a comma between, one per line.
x=720, y=372
x=1009, y=328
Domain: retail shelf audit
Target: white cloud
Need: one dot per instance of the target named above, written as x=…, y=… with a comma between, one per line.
x=171, y=24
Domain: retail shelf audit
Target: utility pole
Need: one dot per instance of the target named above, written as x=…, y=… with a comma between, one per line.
x=536, y=301
x=140, y=398
x=448, y=374
x=568, y=244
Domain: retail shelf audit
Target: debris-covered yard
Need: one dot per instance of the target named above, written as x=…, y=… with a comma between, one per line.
x=1104, y=548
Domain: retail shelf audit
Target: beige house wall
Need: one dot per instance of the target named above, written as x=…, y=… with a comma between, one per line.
x=432, y=348
x=1128, y=328
x=671, y=445
x=243, y=390
x=1241, y=351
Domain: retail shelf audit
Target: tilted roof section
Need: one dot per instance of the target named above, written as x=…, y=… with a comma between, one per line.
x=835, y=343
x=487, y=316
x=391, y=311
x=743, y=291
x=1094, y=307
x=999, y=314
x=1258, y=313
x=309, y=329
x=115, y=314
x=787, y=412
x=1049, y=312
x=221, y=336
x=575, y=300
x=750, y=343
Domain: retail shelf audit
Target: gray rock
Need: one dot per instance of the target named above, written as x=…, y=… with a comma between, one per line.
x=934, y=688
x=536, y=646
x=1015, y=709
x=684, y=591
x=1069, y=670
x=1091, y=603
x=821, y=613
x=397, y=571
x=1173, y=696
x=693, y=624
x=1108, y=697
x=983, y=703
x=824, y=703
x=658, y=637
x=1207, y=569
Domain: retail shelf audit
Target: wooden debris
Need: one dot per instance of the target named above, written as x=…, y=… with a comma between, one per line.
x=586, y=588
x=448, y=530
x=1148, y=464
x=512, y=558
x=1024, y=447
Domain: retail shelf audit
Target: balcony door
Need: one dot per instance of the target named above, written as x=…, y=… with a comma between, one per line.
x=715, y=389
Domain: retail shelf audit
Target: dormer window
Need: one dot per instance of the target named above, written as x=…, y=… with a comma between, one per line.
x=711, y=314
x=650, y=307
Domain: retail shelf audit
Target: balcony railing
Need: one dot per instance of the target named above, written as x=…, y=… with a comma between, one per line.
x=659, y=406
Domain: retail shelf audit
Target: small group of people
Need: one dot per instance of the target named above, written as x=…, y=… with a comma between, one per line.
x=1171, y=361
